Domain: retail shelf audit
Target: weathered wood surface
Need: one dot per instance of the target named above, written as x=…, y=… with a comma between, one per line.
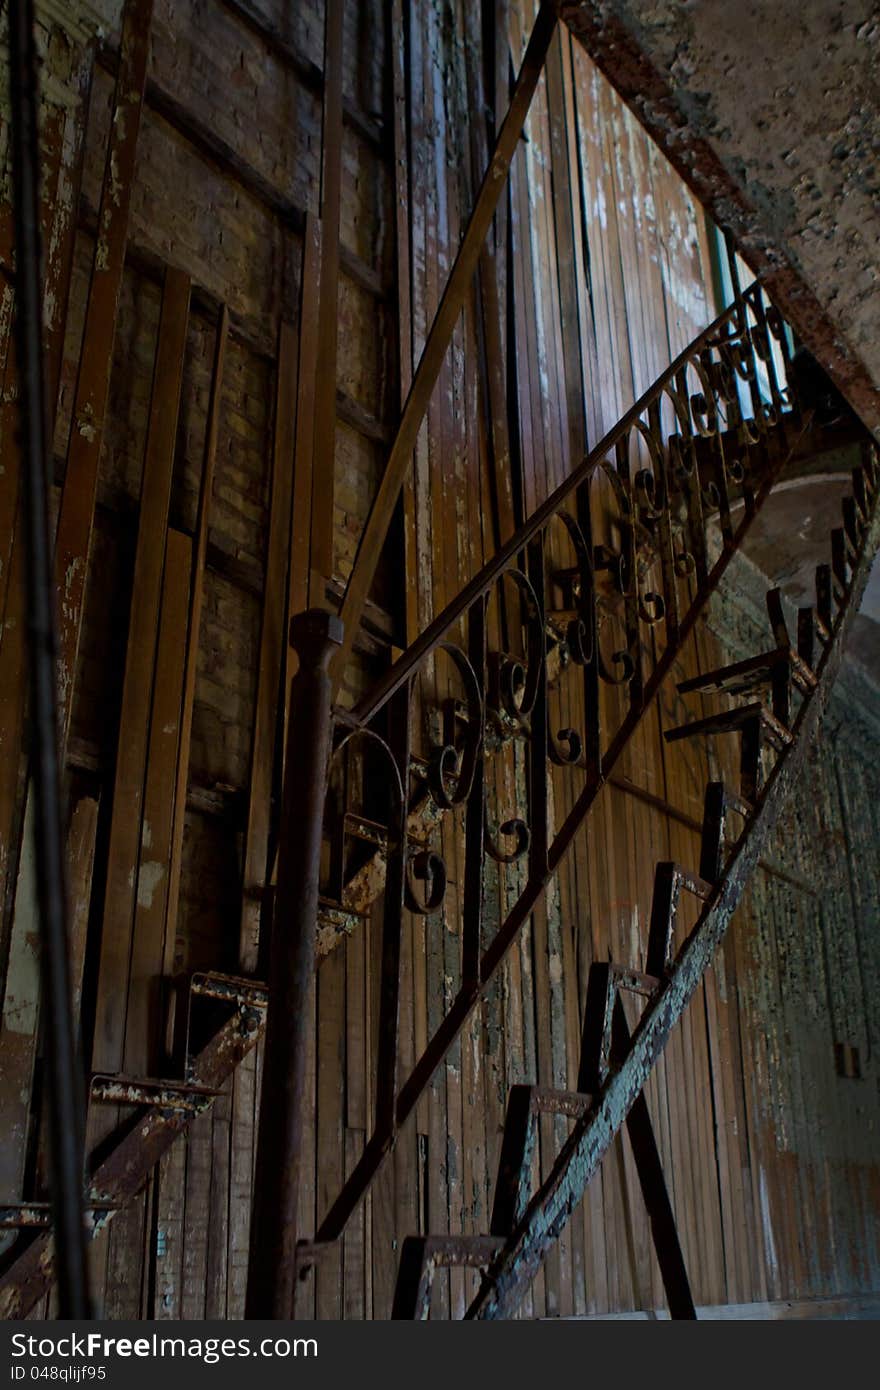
x=600, y=278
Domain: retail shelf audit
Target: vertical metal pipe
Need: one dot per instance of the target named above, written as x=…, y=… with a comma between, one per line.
x=314, y=635
x=66, y=1093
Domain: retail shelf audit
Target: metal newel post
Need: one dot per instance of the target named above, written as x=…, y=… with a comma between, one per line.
x=314, y=635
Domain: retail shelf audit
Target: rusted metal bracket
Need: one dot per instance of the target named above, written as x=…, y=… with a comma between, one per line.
x=164, y=1095
x=37, y=1216
x=122, y=1174
x=422, y=1255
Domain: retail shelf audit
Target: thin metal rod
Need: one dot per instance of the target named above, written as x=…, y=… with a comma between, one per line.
x=440, y=335
x=66, y=1091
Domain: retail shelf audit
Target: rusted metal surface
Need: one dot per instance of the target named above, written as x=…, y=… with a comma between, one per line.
x=164, y=1095
x=139, y=1147
x=425, y=377
x=37, y=1216
x=422, y=1255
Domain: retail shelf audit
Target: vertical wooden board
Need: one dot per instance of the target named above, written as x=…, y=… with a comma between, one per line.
x=144, y=1024
x=13, y=683
x=330, y=1160
x=355, y=1240
x=54, y=219
x=128, y=787
x=171, y=1178
x=405, y=1158
x=273, y=648
x=701, y=1156
x=80, y=865
x=308, y=1211
x=357, y=1063
x=385, y=1236
x=544, y=1077
x=193, y=636
x=125, y=1265
x=305, y=372
x=217, y=1279
x=241, y=1170
x=566, y=207
x=600, y=413
x=60, y=242
x=197, y=1217
x=18, y=1031
x=76, y=513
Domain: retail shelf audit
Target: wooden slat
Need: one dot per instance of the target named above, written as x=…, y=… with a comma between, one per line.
x=329, y=1125
x=437, y=343
x=142, y=1053
x=61, y=174
x=216, y=1298
x=401, y=119
x=171, y=1173
x=76, y=515
x=306, y=414
x=192, y=638
x=137, y=689
x=273, y=648
x=20, y=1020
x=321, y=560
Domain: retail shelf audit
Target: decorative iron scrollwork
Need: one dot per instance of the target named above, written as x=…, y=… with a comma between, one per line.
x=513, y=827
x=428, y=868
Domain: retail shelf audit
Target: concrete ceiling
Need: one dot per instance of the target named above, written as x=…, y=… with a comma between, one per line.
x=772, y=113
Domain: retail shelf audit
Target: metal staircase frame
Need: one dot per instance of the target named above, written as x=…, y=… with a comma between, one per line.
x=717, y=427
x=614, y=1068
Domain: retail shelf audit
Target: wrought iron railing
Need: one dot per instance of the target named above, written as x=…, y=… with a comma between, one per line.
x=548, y=658
x=581, y=615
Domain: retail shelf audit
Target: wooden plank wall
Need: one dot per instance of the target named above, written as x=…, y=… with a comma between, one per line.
x=595, y=276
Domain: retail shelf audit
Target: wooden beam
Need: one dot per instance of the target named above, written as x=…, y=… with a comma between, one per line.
x=451, y=304
x=143, y=1017
x=273, y=645
x=304, y=454
x=192, y=640
x=321, y=559
x=77, y=510
x=400, y=127
x=137, y=689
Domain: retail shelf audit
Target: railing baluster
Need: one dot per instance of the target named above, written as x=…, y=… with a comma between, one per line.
x=538, y=738
x=399, y=739
x=475, y=818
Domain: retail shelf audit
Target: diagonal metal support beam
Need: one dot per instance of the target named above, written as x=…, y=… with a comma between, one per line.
x=512, y=1272
x=653, y=1184
x=440, y=335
